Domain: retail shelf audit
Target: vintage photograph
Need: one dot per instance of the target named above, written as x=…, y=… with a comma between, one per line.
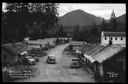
x=63, y=42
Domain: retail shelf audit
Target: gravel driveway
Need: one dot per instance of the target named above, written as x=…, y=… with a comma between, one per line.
x=59, y=72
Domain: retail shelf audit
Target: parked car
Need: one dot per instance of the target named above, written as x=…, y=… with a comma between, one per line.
x=51, y=59
x=29, y=60
x=75, y=64
x=34, y=57
x=37, y=59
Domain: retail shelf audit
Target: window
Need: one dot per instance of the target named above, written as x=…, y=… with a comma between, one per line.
x=105, y=38
x=115, y=38
x=121, y=38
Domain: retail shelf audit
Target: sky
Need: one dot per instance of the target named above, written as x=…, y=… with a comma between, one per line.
x=100, y=10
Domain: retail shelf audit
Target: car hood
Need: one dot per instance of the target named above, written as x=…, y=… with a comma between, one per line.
x=31, y=59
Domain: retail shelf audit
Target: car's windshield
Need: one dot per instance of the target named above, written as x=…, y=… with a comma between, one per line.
x=52, y=57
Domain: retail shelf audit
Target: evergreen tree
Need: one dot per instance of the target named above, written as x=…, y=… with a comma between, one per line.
x=20, y=19
x=113, y=21
x=94, y=30
x=76, y=33
x=51, y=14
x=95, y=34
x=82, y=36
x=17, y=15
x=61, y=32
x=103, y=25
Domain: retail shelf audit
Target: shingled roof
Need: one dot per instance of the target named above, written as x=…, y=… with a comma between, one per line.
x=107, y=52
x=100, y=53
x=15, y=48
x=122, y=34
x=23, y=46
x=90, y=49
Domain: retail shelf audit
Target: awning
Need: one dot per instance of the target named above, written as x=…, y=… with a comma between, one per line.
x=23, y=53
x=90, y=58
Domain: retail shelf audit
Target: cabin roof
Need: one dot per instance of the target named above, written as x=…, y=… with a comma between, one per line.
x=107, y=53
x=100, y=53
x=122, y=34
x=16, y=48
x=90, y=49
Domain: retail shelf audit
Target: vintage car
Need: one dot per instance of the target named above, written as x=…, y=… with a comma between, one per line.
x=31, y=61
x=34, y=57
x=37, y=59
x=28, y=60
x=75, y=64
x=51, y=59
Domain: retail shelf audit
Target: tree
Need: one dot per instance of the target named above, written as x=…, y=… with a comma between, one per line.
x=82, y=36
x=46, y=17
x=76, y=33
x=61, y=32
x=95, y=32
x=4, y=27
x=113, y=21
x=50, y=14
x=103, y=25
x=20, y=19
x=17, y=16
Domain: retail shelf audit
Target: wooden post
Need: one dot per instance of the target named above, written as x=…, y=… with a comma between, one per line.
x=101, y=73
x=101, y=70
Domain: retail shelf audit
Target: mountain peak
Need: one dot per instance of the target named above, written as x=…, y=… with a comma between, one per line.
x=78, y=10
x=78, y=17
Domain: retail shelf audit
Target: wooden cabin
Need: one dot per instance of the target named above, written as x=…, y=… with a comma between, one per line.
x=99, y=62
x=12, y=53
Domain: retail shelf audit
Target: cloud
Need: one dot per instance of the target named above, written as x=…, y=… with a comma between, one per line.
x=102, y=10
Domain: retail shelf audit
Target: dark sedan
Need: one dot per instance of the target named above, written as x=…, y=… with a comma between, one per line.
x=51, y=59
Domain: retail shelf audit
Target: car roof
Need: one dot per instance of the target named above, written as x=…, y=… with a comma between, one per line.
x=51, y=55
x=31, y=59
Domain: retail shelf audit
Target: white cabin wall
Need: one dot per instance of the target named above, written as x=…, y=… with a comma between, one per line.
x=118, y=41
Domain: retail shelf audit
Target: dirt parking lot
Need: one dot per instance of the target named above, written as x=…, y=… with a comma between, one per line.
x=59, y=72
